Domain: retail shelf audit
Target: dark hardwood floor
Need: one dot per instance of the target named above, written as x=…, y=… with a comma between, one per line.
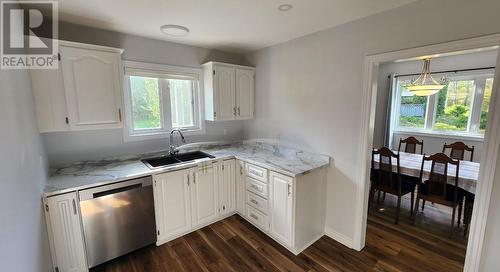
x=235, y=245
x=434, y=221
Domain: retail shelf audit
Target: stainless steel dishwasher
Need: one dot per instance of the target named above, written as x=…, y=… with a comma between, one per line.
x=117, y=219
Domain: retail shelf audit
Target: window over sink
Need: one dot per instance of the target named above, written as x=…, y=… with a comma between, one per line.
x=159, y=98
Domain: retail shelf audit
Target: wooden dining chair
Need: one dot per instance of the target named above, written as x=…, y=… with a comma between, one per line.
x=436, y=189
x=458, y=150
x=411, y=144
x=387, y=181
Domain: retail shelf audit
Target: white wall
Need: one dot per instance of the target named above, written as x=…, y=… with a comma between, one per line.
x=491, y=247
x=432, y=144
x=23, y=237
x=66, y=147
x=308, y=90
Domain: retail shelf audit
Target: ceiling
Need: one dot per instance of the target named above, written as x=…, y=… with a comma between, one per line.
x=232, y=25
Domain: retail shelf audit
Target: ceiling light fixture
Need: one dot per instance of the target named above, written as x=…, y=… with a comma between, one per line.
x=425, y=84
x=174, y=30
x=285, y=7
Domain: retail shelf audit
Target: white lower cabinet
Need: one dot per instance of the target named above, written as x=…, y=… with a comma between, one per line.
x=257, y=218
x=204, y=195
x=65, y=233
x=291, y=210
x=172, y=196
x=281, y=202
x=186, y=200
x=227, y=188
x=240, y=187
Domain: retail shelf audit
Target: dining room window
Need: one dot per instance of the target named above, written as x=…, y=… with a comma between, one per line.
x=412, y=109
x=461, y=108
x=454, y=105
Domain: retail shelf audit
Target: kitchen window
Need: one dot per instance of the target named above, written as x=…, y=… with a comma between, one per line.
x=460, y=109
x=159, y=98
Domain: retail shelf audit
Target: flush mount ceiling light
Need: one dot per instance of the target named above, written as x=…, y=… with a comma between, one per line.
x=174, y=30
x=285, y=7
x=425, y=84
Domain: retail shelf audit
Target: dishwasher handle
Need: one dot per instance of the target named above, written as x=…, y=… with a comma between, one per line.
x=114, y=188
x=117, y=190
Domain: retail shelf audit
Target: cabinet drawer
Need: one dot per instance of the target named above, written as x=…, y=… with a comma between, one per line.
x=257, y=202
x=256, y=172
x=256, y=187
x=257, y=218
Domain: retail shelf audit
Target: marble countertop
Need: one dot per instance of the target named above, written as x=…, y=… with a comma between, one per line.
x=81, y=175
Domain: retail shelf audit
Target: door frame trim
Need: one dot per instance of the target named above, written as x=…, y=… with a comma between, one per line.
x=488, y=158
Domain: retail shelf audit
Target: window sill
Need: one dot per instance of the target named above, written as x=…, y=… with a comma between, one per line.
x=159, y=135
x=444, y=134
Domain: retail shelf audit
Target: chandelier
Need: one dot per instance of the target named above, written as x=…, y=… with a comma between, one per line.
x=425, y=84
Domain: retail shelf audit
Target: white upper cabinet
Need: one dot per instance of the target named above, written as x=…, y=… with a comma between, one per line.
x=225, y=94
x=204, y=195
x=244, y=93
x=50, y=99
x=84, y=93
x=92, y=82
x=229, y=91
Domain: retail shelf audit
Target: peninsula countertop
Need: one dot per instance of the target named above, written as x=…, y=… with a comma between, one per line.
x=81, y=175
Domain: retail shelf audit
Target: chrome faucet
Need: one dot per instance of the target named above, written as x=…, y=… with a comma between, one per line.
x=172, y=148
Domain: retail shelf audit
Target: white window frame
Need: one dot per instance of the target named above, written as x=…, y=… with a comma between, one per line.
x=472, y=132
x=164, y=72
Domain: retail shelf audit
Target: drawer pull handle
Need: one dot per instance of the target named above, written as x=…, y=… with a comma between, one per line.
x=74, y=206
x=254, y=202
x=254, y=216
x=255, y=173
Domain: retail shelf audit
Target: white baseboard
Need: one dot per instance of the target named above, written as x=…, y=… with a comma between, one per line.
x=299, y=250
x=339, y=237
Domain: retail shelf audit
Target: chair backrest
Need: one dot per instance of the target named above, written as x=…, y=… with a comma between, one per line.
x=411, y=145
x=438, y=176
x=384, y=178
x=458, y=150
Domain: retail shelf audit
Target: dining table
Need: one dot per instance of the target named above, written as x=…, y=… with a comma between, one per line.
x=410, y=165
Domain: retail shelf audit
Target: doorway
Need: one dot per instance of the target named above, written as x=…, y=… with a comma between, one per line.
x=490, y=144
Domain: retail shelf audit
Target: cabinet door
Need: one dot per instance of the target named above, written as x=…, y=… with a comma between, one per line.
x=281, y=207
x=204, y=195
x=65, y=229
x=50, y=99
x=244, y=93
x=240, y=187
x=227, y=189
x=92, y=82
x=172, y=204
x=224, y=82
